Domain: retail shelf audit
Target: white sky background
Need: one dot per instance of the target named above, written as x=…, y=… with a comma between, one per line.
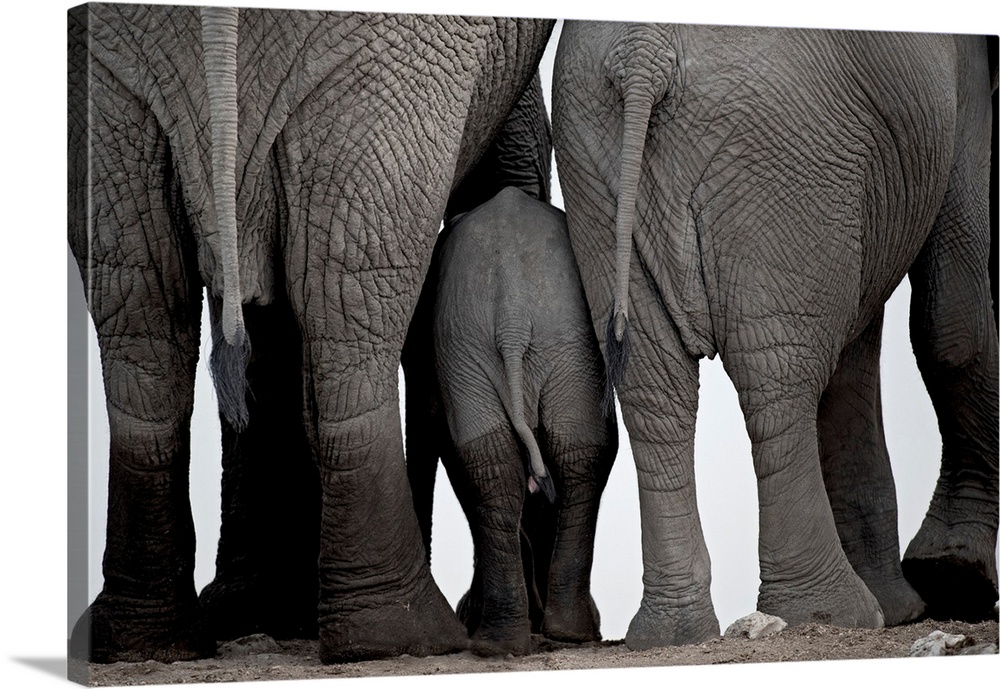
x=724, y=475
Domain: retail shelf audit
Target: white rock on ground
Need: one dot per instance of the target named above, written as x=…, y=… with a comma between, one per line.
x=937, y=643
x=754, y=626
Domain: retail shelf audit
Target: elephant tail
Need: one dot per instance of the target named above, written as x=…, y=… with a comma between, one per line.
x=231, y=353
x=642, y=76
x=637, y=109
x=513, y=363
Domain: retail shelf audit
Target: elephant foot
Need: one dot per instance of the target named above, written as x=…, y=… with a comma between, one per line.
x=232, y=609
x=237, y=607
x=954, y=569
x=656, y=627
x=488, y=637
x=117, y=629
x=900, y=603
x=470, y=610
x=840, y=599
x=578, y=623
x=420, y=624
x=508, y=640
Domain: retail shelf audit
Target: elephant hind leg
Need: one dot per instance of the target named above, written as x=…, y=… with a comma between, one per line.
x=148, y=608
x=952, y=559
x=538, y=529
x=489, y=478
x=377, y=596
x=582, y=444
x=858, y=476
x=779, y=369
x=137, y=260
x=265, y=568
x=805, y=575
x=659, y=400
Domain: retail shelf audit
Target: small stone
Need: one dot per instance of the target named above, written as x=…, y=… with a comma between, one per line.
x=979, y=650
x=937, y=643
x=150, y=666
x=754, y=626
x=250, y=645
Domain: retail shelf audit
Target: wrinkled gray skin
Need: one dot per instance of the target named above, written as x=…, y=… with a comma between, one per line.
x=766, y=190
x=520, y=156
x=521, y=382
x=265, y=155
x=268, y=548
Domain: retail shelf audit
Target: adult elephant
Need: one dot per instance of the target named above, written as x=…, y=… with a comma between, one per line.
x=758, y=194
x=265, y=579
x=295, y=159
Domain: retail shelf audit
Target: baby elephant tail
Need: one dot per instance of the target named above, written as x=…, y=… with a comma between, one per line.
x=539, y=477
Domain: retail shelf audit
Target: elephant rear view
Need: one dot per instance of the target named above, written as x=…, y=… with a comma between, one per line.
x=260, y=154
x=767, y=190
x=518, y=359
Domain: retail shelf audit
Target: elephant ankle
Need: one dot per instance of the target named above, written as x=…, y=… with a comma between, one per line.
x=662, y=626
x=578, y=622
x=900, y=602
x=492, y=640
x=237, y=607
x=953, y=568
x=115, y=629
x=839, y=598
x=418, y=624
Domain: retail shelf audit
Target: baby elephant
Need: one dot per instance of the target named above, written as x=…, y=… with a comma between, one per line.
x=521, y=381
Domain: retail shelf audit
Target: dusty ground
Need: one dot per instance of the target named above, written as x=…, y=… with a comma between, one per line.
x=262, y=658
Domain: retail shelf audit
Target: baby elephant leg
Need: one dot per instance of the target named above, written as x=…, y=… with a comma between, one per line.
x=489, y=479
x=581, y=442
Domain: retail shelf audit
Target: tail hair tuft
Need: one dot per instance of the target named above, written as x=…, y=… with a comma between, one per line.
x=228, y=366
x=615, y=361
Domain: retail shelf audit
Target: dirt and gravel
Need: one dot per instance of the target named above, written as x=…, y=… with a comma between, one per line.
x=262, y=658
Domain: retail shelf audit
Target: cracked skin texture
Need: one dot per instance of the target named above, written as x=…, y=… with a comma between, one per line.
x=353, y=130
x=785, y=181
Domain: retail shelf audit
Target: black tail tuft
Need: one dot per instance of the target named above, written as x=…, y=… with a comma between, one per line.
x=547, y=486
x=615, y=361
x=228, y=366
